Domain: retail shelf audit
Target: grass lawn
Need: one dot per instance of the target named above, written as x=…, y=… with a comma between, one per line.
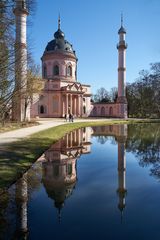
x=17, y=157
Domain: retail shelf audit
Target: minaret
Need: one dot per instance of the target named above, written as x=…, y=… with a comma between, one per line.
x=121, y=170
x=19, y=99
x=122, y=46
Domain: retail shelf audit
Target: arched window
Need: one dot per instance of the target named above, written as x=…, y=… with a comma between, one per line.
x=42, y=110
x=111, y=111
x=69, y=71
x=56, y=70
x=84, y=109
x=44, y=71
x=102, y=111
x=94, y=111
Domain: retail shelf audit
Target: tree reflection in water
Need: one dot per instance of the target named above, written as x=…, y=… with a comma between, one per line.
x=56, y=169
x=144, y=142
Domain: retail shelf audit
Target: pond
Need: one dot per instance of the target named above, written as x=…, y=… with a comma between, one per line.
x=95, y=183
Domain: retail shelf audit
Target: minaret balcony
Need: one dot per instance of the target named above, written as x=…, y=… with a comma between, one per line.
x=122, y=44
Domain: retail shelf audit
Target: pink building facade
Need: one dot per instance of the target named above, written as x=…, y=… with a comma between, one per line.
x=63, y=94
x=109, y=110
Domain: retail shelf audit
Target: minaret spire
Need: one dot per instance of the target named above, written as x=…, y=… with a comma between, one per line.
x=122, y=19
x=59, y=21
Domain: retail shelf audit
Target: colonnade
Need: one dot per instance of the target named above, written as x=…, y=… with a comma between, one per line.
x=73, y=104
x=74, y=139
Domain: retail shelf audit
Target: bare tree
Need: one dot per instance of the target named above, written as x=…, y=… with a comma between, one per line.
x=101, y=95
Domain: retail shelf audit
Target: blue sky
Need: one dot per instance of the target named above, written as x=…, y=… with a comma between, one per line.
x=92, y=26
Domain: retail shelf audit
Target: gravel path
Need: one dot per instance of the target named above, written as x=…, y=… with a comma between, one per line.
x=18, y=134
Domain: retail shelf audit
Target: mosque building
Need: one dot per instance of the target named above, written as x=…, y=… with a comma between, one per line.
x=63, y=94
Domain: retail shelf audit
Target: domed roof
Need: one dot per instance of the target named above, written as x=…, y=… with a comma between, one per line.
x=59, y=42
x=59, y=34
x=122, y=30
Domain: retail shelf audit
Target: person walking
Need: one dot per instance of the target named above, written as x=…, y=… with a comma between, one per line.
x=65, y=116
x=70, y=117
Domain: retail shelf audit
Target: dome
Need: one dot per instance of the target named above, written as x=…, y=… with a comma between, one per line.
x=59, y=34
x=59, y=43
x=122, y=30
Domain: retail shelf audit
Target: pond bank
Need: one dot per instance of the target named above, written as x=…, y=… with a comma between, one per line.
x=16, y=157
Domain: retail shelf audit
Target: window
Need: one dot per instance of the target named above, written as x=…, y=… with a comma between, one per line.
x=111, y=112
x=45, y=71
x=94, y=111
x=56, y=70
x=102, y=111
x=84, y=109
x=69, y=71
x=69, y=169
x=41, y=109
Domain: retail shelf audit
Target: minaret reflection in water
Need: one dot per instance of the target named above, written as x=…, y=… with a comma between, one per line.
x=122, y=171
x=21, y=197
x=59, y=167
x=120, y=134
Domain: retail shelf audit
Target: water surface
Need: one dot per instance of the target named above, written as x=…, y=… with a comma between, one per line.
x=95, y=183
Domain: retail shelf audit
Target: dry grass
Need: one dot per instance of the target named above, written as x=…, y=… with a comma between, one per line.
x=9, y=126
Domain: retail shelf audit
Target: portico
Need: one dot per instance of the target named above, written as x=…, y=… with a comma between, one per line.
x=72, y=103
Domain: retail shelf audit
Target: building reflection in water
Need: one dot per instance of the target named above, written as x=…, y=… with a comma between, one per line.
x=21, y=197
x=56, y=169
x=59, y=165
x=120, y=134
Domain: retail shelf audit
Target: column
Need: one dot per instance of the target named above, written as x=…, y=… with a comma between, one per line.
x=66, y=103
x=79, y=105
x=63, y=113
x=81, y=101
x=75, y=106
x=67, y=141
x=71, y=139
x=71, y=110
